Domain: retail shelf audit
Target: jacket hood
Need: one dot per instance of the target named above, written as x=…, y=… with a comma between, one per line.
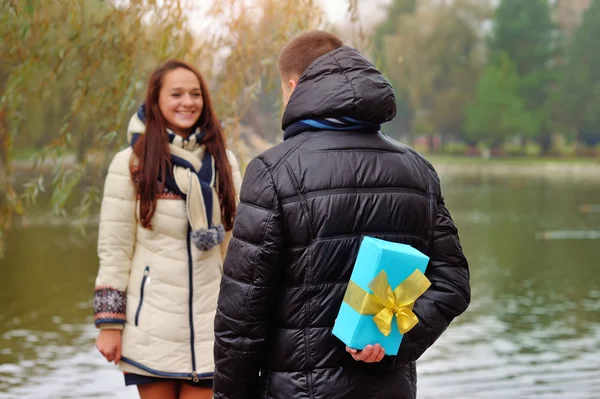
x=341, y=83
x=136, y=126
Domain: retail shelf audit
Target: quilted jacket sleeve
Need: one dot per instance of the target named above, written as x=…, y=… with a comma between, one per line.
x=116, y=239
x=449, y=294
x=237, y=183
x=236, y=173
x=248, y=287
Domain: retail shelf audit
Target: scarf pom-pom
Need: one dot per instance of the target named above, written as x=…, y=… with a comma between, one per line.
x=205, y=239
x=220, y=233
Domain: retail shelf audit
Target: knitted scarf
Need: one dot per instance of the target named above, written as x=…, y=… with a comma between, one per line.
x=343, y=123
x=193, y=181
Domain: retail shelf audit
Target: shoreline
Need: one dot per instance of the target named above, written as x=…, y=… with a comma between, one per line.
x=546, y=169
x=578, y=167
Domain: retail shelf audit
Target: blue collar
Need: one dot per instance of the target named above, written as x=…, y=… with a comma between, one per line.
x=343, y=123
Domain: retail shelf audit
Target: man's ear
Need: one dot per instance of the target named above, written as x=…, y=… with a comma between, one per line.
x=292, y=83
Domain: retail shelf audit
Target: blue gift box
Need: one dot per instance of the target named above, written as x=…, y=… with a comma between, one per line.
x=398, y=261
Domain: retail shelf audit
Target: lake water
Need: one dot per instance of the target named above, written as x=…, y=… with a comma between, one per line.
x=532, y=331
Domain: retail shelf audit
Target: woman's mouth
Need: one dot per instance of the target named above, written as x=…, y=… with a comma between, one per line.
x=186, y=114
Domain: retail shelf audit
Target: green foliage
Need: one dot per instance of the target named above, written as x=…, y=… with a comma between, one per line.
x=251, y=65
x=72, y=73
x=498, y=111
x=389, y=27
x=526, y=32
x=578, y=101
x=79, y=80
x=435, y=58
x=384, y=60
x=79, y=69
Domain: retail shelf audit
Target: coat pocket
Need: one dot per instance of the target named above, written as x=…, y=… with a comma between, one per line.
x=142, y=286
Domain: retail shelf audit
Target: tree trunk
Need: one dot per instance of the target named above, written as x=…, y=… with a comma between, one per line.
x=431, y=142
x=545, y=143
x=5, y=156
x=81, y=150
x=410, y=138
x=578, y=143
x=409, y=129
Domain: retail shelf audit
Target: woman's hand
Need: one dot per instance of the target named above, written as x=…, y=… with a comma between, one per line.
x=109, y=344
x=370, y=354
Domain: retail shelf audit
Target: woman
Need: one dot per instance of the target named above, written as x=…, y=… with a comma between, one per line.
x=168, y=200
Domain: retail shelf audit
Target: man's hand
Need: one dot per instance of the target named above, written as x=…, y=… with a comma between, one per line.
x=370, y=354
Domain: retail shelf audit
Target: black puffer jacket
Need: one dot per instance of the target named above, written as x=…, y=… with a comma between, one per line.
x=305, y=206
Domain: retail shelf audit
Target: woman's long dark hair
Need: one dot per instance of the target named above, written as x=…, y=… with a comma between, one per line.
x=152, y=149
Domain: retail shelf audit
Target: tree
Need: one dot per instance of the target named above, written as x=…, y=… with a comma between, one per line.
x=568, y=14
x=498, y=110
x=525, y=31
x=387, y=29
x=80, y=80
x=437, y=57
x=250, y=69
x=578, y=101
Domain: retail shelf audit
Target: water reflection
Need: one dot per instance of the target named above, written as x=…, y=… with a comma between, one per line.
x=47, y=348
x=532, y=331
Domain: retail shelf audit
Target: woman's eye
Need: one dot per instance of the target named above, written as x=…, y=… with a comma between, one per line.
x=176, y=95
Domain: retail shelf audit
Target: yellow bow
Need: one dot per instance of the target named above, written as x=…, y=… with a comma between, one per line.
x=385, y=303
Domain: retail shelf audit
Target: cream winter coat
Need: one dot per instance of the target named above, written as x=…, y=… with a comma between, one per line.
x=155, y=284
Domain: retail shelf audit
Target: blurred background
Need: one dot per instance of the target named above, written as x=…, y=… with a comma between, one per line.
x=502, y=96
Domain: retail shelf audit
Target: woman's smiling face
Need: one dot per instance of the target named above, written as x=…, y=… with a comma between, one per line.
x=180, y=100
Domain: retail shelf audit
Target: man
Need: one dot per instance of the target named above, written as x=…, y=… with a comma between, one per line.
x=305, y=206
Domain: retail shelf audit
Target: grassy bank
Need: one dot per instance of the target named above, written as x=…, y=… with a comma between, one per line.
x=23, y=156
x=440, y=159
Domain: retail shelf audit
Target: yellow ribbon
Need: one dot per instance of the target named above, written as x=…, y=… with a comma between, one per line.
x=385, y=303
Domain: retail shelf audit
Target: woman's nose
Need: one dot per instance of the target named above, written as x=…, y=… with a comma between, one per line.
x=187, y=99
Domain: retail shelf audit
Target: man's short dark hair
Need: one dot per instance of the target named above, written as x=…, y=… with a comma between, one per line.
x=303, y=49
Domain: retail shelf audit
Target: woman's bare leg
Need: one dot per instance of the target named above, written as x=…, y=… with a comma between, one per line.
x=159, y=390
x=189, y=392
